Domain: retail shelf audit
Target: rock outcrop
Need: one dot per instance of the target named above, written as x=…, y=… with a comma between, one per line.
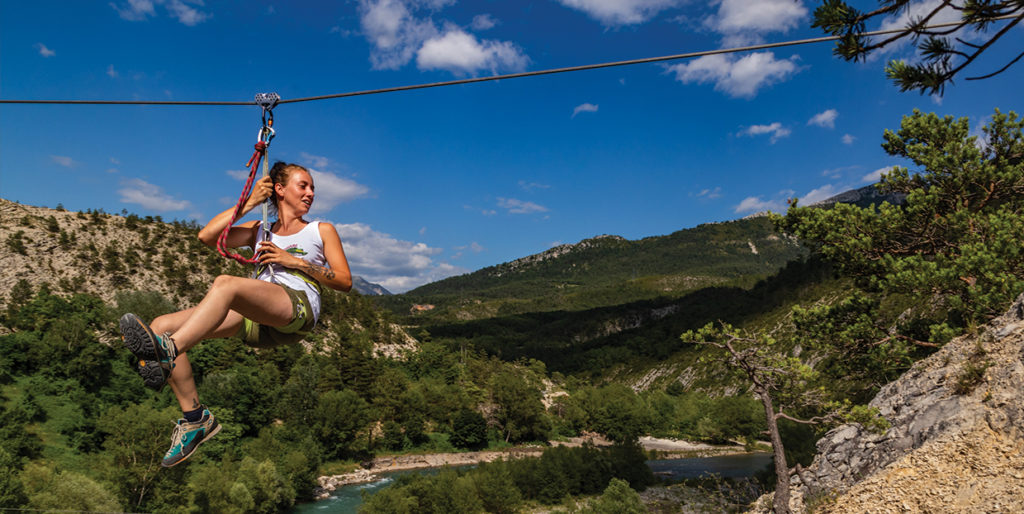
x=956, y=441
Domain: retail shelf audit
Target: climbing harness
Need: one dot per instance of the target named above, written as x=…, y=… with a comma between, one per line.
x=267, y=102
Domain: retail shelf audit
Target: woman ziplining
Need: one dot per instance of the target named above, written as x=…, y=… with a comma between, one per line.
x=280, y=306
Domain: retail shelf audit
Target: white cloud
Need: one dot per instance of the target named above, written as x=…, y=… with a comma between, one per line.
x=739, y=23
x=135, y=10
x=738, y=77
x=710, y=194
x=835, y=173
x=826, y=119
x=977, y=130
x=111, y=72
x=314, y=161
x=822, y=193
x=483, y=22
x=423, y=230
x=185, y=13
x=621, y=12
x=461, y=53
x=182, y=10
x=876, y=175
x=529, y=186
x=472, y=247
x=756, y=204
x=238, y=174
x=388, y=24
x=65, y=161
x=115, y=161
x=848, y=139
x=395, y=264
x=332, y=190
x=394, y=31
x=585, y=107
x=515, y=206
x=399, y=30
x=743, y=22
x=776, y=130
x=44, y=51
x=152, y=197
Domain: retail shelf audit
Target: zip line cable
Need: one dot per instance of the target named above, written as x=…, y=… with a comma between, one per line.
x=551, y=71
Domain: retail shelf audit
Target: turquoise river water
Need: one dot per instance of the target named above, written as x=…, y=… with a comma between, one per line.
x=346, y=500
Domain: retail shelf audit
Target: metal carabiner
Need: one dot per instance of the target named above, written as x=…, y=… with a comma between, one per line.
x=267, y=102
x=265, y=134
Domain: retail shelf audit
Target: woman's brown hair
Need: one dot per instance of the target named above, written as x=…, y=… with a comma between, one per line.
x=280, y=172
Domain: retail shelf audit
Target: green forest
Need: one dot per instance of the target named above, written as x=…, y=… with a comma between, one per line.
x=73, y=407
x=868, y=291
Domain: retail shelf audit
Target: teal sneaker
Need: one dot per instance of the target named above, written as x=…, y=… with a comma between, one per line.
x=155, y=353
x=188, y=436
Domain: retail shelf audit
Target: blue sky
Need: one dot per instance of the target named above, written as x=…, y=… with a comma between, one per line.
x=431, y=183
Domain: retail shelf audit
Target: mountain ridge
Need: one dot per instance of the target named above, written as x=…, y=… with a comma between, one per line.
x=607, y=270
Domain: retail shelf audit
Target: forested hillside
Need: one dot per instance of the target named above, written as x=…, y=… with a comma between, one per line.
x=606, y=271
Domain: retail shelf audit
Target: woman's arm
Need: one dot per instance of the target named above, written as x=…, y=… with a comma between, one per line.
x=241, y=235
x=335, y=275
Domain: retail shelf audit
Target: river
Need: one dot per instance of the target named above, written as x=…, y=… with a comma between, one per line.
x=346, y=499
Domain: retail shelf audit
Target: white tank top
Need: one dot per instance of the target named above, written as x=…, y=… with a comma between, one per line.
x=307, y=245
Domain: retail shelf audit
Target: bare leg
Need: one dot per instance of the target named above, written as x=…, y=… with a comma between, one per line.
x=181, y=380
x=262, y=302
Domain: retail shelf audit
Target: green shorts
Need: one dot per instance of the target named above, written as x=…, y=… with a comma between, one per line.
x=263, y=336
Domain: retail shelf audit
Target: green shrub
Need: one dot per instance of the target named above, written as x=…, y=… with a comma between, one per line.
x=147, y=305
x=50, y=489
x=16, y=242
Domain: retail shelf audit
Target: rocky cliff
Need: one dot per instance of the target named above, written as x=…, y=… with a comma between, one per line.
x=956, y=441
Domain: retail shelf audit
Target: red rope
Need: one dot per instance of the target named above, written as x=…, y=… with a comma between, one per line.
x=254, y=164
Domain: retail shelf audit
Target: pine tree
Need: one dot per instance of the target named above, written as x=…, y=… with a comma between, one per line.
x=943, y=53
x=955, y=245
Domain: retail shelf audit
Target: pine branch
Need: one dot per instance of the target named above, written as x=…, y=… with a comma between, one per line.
x=1000, y=70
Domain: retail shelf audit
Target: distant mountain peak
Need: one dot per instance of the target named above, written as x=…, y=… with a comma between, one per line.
x=367, y=288
x=862, y=197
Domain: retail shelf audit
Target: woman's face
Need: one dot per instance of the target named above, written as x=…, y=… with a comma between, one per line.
x=297, y=191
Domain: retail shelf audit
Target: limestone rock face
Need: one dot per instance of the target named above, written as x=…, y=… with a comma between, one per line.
x=956, y=443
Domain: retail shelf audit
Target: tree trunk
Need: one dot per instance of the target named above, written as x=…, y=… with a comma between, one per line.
x=781, y=503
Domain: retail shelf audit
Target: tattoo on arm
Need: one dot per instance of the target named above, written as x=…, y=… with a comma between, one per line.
x=318, y=271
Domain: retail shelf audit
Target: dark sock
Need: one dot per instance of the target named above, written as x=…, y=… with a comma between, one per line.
x=194, y=415
x=167, y=336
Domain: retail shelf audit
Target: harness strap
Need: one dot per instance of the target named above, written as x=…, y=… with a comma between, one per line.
x=297, y=274
x=253, y=164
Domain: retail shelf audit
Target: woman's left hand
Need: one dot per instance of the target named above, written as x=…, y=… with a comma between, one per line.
x=267, y=252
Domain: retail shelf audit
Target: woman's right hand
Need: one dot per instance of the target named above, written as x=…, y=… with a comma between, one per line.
x=261, y=190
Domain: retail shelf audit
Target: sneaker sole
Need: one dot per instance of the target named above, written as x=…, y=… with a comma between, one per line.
x=141, y=341
x=185, y=456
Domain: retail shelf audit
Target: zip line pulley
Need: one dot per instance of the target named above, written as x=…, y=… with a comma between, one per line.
x=266, y=102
